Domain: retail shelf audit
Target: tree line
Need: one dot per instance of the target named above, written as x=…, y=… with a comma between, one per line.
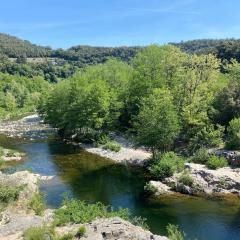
x=163, y=96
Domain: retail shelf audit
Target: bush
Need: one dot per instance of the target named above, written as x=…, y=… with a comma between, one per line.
x=166, y=165
x=215, y=162
x=112, y=146
x=233, y=130
x=37, y=203
x=76, y=211
x=174, y=233
x=150, y=188
x=39, y=233
x=186, y=179
x=8, y=194
x=201, y=156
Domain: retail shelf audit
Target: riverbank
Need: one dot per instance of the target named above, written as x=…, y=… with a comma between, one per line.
x=30, y=127
x=127, y=154
x=16, y=218
x=197, y=179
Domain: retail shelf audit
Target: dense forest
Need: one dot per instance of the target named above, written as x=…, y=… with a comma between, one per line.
x=188, y=98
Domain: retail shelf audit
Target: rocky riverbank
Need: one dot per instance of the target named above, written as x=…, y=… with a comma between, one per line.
x=199, y=180
x=17, y=217
x=30, y=127
x=128, y=154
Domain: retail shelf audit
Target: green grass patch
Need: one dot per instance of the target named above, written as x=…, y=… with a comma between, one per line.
x=174, y=233
x=39, y=233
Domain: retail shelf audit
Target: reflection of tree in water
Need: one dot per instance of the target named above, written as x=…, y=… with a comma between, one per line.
x=94, y=178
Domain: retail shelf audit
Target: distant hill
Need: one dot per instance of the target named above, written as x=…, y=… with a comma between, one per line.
x=14, y=47
x=93, y=55
x=222, y=48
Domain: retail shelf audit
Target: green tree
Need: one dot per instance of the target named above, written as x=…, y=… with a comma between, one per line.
x=157, y=123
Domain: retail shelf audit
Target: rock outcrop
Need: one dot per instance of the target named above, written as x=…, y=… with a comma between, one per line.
x=110, y=229
x=205, y=181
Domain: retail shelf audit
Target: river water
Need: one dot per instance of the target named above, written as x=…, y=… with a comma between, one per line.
x=93, y=178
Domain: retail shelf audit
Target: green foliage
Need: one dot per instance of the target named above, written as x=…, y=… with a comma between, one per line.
x=39, y=233
x=201, y=156
x=76, y=211
x=174, y=233
x=215, y=162
x=186, y=179
x=81, y=231
x=157, y=124
x=166, y=164
x=67, y=236
x=37, y=203
x=207, y=136
x=150, y=188
x=233, y=130
x=19, y=94
x=226, y=103
x=112, y=146
x=9, y=193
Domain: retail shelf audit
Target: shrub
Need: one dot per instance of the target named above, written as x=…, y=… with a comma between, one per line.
x=8, y=194
x=67, y=236
x=76, y=211
x=215, y=162
x=150, y=188
x=201, y=156
x=233, y=130
x=166, y=165
x=112, y=146
x=81, y=231
x=174, y=233
x=186, y=179
x=37, y=203
x=1, y=151
x=38, y=233
x=103, y=139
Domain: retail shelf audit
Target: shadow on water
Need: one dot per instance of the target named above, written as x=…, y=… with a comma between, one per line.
x=93, y=178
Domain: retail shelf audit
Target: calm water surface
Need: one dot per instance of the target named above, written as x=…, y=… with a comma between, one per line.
x=92, y=178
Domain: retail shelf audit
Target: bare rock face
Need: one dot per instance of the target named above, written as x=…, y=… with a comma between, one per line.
x=160, y=188
x=111, y=229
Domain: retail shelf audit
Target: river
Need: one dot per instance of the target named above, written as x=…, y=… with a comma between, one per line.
x=93, y=178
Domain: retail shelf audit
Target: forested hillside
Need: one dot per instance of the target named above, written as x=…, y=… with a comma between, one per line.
x=222, y=48
x=14, y=47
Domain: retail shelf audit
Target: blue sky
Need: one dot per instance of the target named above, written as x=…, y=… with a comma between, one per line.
x=64, y=23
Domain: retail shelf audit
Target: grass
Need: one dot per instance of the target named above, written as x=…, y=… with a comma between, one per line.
x=76, y=211
x=174, y=233
x=37, y=203
x=39, y=233
x=108, y=144
x=112, y=146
